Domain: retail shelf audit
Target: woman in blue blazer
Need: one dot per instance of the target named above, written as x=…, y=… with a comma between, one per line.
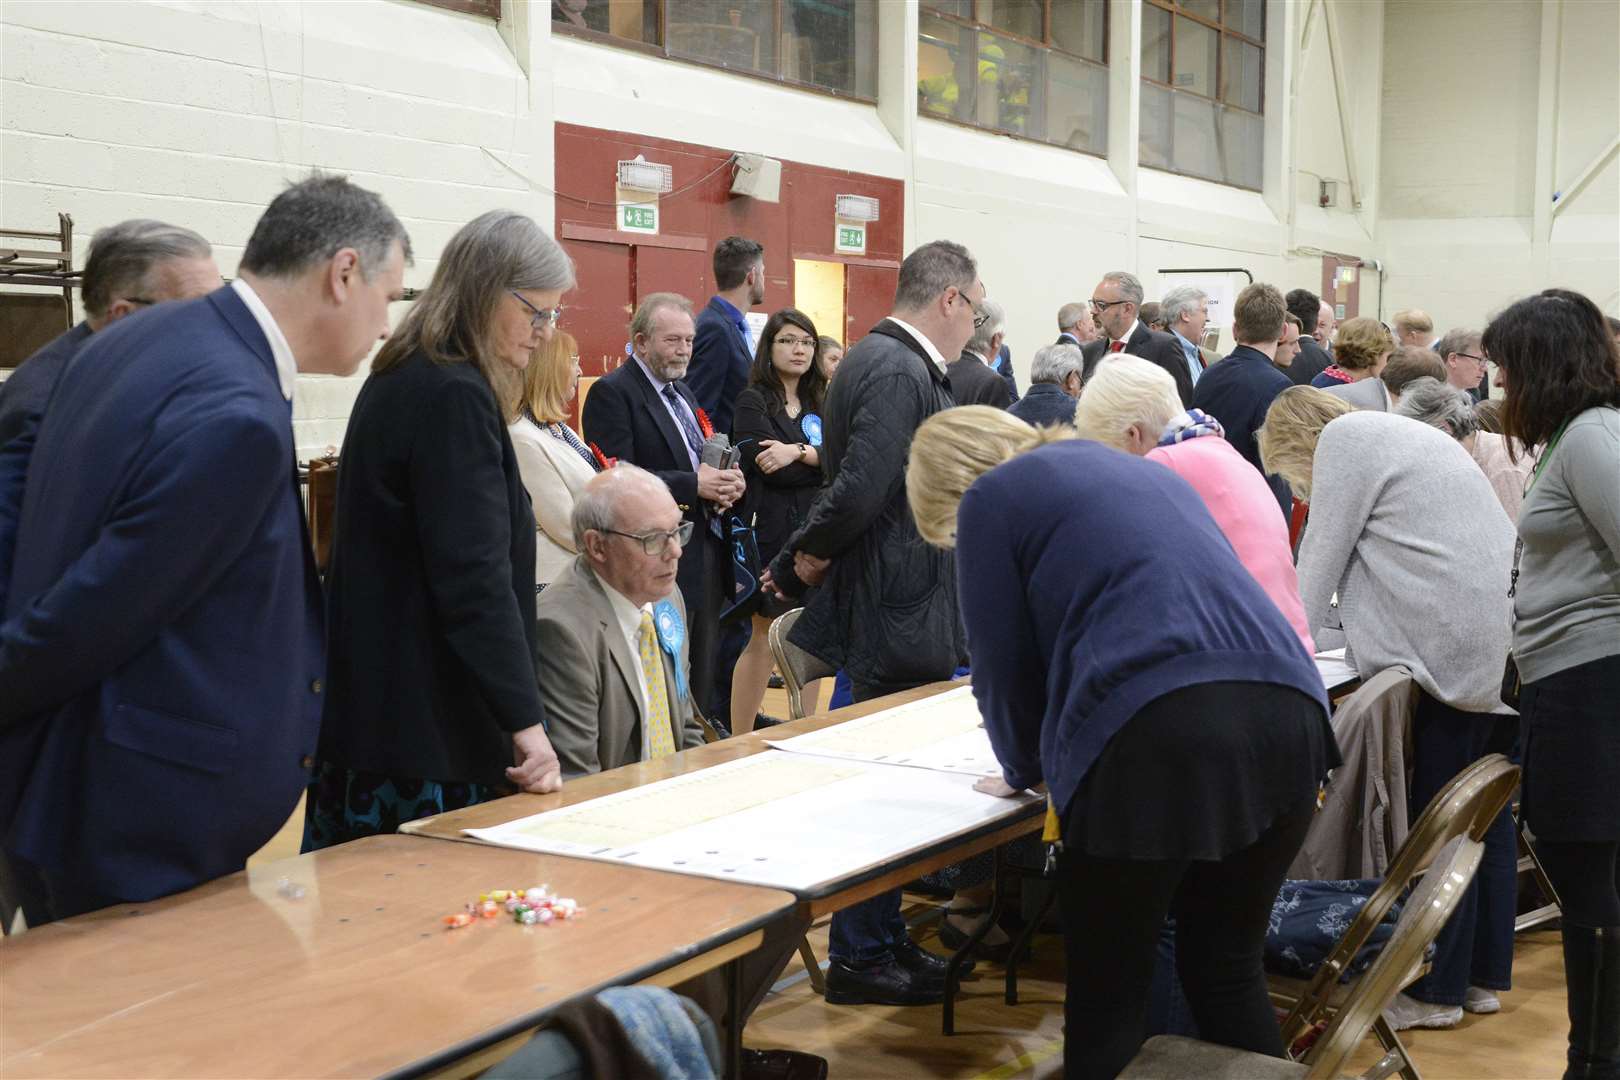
x=1123, y=657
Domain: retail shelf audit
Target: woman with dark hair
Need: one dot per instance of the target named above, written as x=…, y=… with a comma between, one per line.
x=430, y=692
x=777, y=426
x=1559, y=369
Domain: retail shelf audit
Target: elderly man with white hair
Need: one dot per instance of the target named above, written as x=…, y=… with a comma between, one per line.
x=1055, y=375
x=611, y=647
x=974, y=378
x=1185, y=310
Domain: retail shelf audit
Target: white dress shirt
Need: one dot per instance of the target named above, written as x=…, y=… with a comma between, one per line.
x=280, y=351
x=629, y=617
x=917, y=336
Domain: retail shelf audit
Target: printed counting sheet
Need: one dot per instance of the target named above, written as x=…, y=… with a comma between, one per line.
x=943, y=733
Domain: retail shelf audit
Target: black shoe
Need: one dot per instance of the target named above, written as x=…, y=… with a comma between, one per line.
x=775, y=682
x=885, y=982
x=782, y=1065
x=915, y=958
x=953, y=939
x=761, y=720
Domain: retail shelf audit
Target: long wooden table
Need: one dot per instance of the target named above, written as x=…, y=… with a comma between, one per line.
x=1020, y=819
x=356, y=977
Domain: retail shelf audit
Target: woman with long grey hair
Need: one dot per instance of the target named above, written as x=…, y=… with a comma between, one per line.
x=431, y=698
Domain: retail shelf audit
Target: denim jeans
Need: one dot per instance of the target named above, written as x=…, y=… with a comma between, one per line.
x=1475, y=948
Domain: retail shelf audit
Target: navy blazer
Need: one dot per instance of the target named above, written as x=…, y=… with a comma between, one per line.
x=1044, y=403
x=160, y=654
x=23, y=396
x=720, y=362
x=1237, y=392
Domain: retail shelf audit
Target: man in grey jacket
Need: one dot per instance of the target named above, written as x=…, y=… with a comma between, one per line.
x=610, y=642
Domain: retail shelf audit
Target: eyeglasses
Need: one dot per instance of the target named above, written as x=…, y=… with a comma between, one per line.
x=1471, y=356
x=1104, y=305
x=653, y=543
x=143, y=301
x=980, y=319
x=541, y=315
x=794, y=342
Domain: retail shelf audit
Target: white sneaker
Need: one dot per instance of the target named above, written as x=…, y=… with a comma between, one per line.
x=1481, y=1001
x=1408, y=1012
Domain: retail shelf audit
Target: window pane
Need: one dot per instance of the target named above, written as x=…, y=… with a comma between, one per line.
x=962, y=9
x=1155, y=43
x=722, y=32
x=1204, y=9
x=1022, y=17
x=1009, y=74
x=1195, y=57
x=831, y=43
x=945, y=80
x=634, y=20
x=1154, y=142
x=1079, y=26
x=1240, y=74
x=1242, y=147
x=1196, y=149
x=1247, y=17
x=1077, y=103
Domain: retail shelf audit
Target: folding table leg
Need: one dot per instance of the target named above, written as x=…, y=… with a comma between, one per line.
x=953, y=966
x=734, y=1019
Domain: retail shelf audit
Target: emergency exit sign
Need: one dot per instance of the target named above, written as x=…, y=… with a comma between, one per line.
x=636, y=218
x=850, y=239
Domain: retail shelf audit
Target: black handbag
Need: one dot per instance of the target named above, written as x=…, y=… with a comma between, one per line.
x=743, y=598
x=1511, y=685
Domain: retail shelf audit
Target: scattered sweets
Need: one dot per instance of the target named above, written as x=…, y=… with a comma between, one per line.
x=535, y=906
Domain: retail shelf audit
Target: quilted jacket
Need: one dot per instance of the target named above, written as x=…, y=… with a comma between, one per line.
x=887, y=612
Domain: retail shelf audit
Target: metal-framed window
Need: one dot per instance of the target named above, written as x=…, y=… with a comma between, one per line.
x=1036, y=69
x=827, y=46
x=489, y=9
x=1203, y=89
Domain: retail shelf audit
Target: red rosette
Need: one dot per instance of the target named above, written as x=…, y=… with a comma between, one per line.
x=602, y=460
x=704, y=425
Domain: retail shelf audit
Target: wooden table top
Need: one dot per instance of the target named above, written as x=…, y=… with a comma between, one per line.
x=358, y=977
x=499, y=811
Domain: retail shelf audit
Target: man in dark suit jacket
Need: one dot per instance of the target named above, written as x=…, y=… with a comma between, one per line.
x=722, y=349
x=1055, y=375
x=644, y=414
x=161, y=655
x=1238, y=390
x=1311, y=359
x=1116, y=301
x=973, y=381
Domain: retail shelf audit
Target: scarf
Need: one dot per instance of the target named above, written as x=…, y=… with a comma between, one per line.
x=1334, y=371
x=1190, y=425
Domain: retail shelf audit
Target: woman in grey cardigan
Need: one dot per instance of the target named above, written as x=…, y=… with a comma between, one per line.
x=1407, y=531
x=1560, y=370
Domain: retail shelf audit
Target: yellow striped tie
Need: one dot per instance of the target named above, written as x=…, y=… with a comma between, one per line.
x=660, y=737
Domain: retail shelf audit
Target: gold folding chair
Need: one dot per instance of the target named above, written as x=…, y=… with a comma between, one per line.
x=1173, y=1057
x=1465, y=807
x=799, y=669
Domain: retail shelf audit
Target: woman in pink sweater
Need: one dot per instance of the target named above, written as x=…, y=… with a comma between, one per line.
x=1132, y=405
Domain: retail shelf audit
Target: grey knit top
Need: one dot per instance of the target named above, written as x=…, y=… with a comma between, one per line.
x=1406, y=529
x=1568, y=602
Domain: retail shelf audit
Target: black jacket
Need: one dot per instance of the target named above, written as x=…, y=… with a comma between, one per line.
x=778, y=502
x=1044, y=403
x=1311, y=362
x=887, y=613
x=974, y=383
x=1151, y=345
x=430, y=610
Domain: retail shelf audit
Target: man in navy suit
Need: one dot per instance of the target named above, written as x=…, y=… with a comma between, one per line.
x=160, y=650
x=722, y=348
x=644, y=414
x=132, y=265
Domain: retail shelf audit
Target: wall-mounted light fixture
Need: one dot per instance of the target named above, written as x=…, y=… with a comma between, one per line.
x=856, y=207
x=643, y=175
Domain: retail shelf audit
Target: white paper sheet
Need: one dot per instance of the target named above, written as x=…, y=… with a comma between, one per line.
x=1334, y=671
x=786, y=820
x=943, y=733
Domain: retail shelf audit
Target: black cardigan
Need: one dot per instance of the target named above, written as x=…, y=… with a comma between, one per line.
x=430, y=612
x=778, y=501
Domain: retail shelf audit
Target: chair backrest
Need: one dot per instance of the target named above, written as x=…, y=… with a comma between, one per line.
x=1464, y=808
x=1426, y=913
x=798, y=667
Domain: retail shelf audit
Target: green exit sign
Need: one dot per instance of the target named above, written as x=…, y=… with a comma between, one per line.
x=642, y=219
x=851, y=240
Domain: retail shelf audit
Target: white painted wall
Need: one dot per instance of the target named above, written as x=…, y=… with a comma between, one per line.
x=1474, y=154
x=200, y=112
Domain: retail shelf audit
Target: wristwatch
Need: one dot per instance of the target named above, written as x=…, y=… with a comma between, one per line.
x=803, y=450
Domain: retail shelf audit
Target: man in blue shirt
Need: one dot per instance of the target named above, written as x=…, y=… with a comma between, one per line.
x=724, y=348
x=1186, y=313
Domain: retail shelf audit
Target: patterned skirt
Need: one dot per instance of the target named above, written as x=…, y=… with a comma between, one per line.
x=345, y=804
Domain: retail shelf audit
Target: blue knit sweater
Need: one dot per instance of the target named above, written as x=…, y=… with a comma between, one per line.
x=1092, y=583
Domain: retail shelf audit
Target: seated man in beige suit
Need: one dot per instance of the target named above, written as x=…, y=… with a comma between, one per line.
x=611, y=638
